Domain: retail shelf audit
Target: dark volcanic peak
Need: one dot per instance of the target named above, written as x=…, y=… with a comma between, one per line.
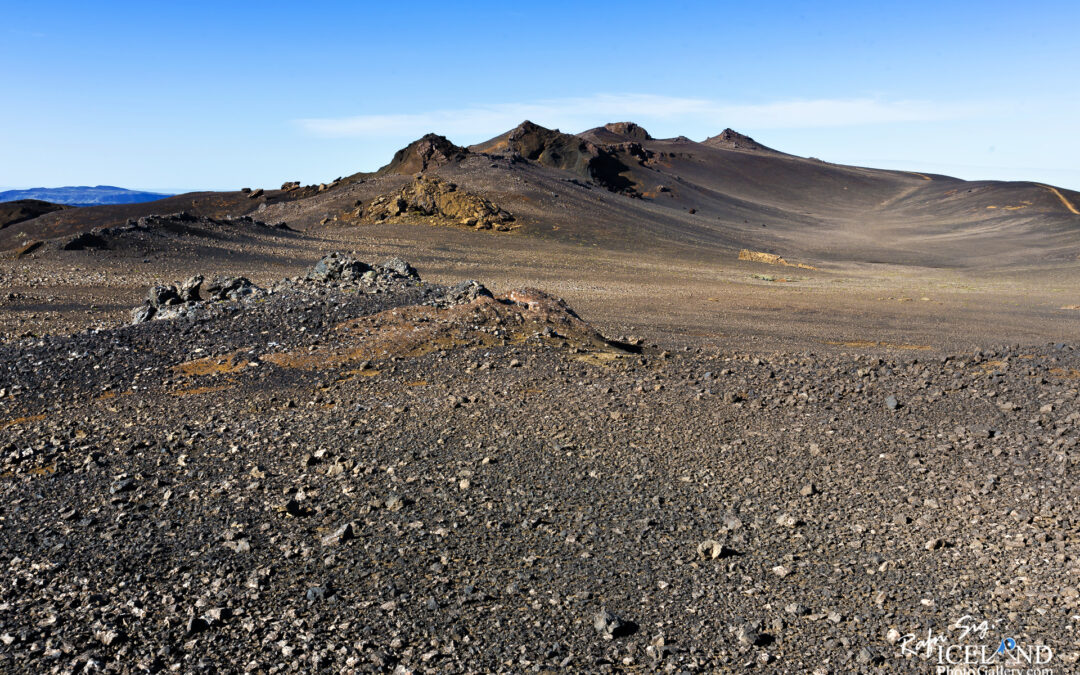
x=629, y=129
x=430, y=151
x=729, y=138
x=551, y=147
x=603, y=164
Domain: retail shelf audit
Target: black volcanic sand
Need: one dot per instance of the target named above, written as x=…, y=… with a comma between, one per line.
x=474, y=507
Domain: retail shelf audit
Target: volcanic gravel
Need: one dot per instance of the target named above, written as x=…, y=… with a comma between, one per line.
x=520, y=502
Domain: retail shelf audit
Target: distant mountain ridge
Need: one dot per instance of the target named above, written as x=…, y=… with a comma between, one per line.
x=83, y=195
x=616, y=186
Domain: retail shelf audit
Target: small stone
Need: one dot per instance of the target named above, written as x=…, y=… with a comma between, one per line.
x=196, y=625
x=239, y=546
x=341, y=534
x=293, y=508
x=318, y=593
x=712, y=549
x=110, y=637
x=142, y=314
x=781, y=571
x=867, y=656
x=891, y=402
x=122, y=485
x=787, y=520
x=934, y=544
x=609, y=625
x=808, y=490
x=748, y=635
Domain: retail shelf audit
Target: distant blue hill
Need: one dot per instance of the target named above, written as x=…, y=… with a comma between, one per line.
x=83, y=195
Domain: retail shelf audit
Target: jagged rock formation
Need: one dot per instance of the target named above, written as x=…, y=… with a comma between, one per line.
x=770, y=259
x=729, y=138
x=603, y=164
x=428, y=152
x=628, y=129
x=440, y=203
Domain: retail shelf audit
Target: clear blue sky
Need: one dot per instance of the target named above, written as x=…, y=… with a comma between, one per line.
x=177, y=96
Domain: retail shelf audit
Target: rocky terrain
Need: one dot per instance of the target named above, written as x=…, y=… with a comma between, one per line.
x=763, y=413
x=354, y=470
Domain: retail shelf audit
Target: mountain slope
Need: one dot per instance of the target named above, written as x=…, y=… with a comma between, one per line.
x=618, y=188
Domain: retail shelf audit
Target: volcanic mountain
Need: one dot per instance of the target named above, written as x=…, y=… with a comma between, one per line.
x=616, y=187
x=83, y=195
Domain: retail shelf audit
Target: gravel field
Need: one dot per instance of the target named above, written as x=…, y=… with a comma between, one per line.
x=378, y=474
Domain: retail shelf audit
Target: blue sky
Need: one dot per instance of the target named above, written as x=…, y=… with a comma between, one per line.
x=180, y=96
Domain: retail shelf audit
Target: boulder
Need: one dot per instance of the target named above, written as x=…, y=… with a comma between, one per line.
x=400, y=268
x=338, y=267
x=163, y=295
x=227, y=288
x=189, y=290
x=465, y=292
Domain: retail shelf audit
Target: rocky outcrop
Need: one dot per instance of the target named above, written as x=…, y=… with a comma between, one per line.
x=428, y=152
x=603, y=164
x=339, y=268
x=770, y=259
x=186, y=298
x=440, y=203
x=552, y=148
x=198, y=298
x=628, y=129
x=731, y=139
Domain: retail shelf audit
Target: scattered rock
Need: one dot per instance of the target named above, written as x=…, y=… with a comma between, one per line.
x=712, y=549
x=341, y=534
x=610, y=626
